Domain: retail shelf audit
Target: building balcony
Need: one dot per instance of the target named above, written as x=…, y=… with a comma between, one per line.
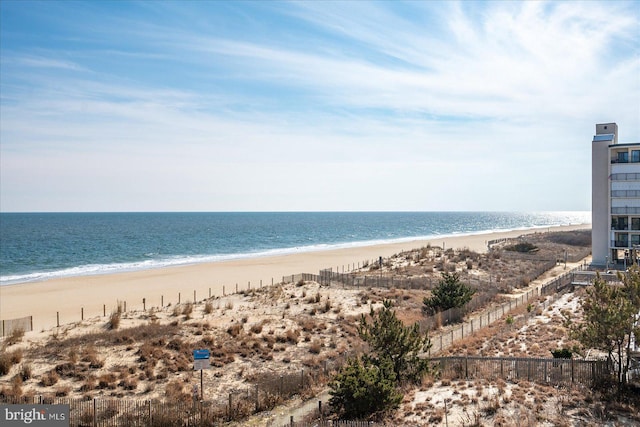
x=625, y=194
x=620, y=244
x=626, y=210
x=631, y=176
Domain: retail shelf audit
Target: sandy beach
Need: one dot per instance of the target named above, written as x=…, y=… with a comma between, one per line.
x=70, y=298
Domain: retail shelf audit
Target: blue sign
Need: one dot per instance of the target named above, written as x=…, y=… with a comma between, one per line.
x=200, y=354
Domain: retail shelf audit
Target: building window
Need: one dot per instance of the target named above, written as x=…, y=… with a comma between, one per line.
x=623, y=157
x=635, y=156
x=619, y=223
x=621, y=240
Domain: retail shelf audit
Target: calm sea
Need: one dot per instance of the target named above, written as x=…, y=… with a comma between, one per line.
x=38, y=246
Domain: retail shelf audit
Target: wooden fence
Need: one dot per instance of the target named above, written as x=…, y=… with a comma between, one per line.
x=459, y=331
x=330, y=423
x=263, y=394
x=386, y=280
x=130, y=413
x=555, y=372
x=445, y=339
x=24, y=324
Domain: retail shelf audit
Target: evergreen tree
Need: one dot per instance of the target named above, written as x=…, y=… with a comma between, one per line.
x=610, y=319
x=450, y=292
x=368, y=386
x=364, y=388
x=389, y=338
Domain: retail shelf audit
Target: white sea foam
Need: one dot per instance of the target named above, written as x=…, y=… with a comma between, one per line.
x=98, y=269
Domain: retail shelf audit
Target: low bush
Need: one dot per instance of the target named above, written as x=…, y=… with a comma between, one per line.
x=316, y=346
x=15, y=336
x=114, y=320
x=523, y=247
x=5, y=363
x=208, y=307
x=256, y=328
x=234, y=330
x=25, y=372
x=187, y=309
x=49, y=378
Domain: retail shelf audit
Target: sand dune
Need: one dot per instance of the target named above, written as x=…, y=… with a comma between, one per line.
x=68, y=298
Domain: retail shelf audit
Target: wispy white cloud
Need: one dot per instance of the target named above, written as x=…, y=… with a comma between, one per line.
x=438, y=98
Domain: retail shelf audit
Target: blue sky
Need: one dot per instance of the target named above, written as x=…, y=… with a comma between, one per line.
x=307, y=106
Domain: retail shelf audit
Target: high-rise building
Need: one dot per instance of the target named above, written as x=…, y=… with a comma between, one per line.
x=615, y=198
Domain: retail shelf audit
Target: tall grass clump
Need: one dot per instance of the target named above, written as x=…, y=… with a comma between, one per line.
x=114, y=318
x=208, y=308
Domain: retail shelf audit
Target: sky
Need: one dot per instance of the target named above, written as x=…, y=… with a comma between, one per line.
x=310, y=105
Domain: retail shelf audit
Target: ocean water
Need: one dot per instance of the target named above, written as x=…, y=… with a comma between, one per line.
x=39, y=246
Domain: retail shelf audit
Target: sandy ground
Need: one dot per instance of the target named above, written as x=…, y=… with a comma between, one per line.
x=295, y=307
x=69, y=298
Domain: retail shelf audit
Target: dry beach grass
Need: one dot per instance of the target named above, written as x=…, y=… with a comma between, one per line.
x=303, y=329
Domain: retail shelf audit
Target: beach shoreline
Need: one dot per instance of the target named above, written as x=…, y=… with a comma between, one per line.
x=68, y=299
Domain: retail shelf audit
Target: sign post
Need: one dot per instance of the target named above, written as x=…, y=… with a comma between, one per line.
x=201, y=361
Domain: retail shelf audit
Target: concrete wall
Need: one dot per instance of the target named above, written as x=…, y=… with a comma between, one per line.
x=600, y=223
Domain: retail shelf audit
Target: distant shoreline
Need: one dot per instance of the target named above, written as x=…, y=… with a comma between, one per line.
x=132, y=267
x=68, y=297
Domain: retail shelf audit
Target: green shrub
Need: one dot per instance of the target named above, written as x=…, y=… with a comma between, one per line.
x=363, y=388
x=562, y=353
x=524, y=247
x=450, y=292
x=389, y=338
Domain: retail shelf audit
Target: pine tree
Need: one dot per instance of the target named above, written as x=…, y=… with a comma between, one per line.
x=609, y=320
x=450, y=292
x=389, y=338
x=364, y=388
x=368, y=386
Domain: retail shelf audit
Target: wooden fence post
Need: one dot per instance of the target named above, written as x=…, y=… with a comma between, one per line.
x=466, y=368
x=572, y=371
x=257, y=399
